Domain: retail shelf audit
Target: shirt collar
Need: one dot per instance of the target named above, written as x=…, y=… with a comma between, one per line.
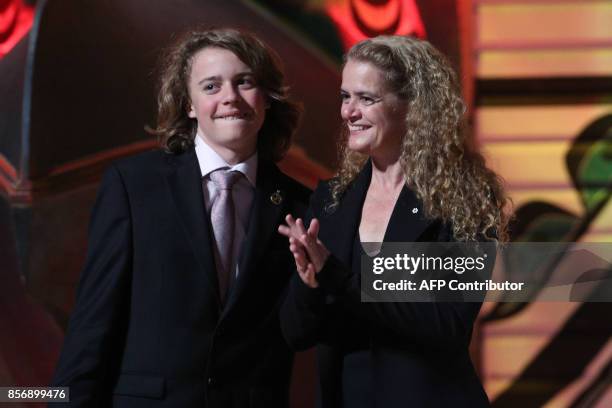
x=210, y=161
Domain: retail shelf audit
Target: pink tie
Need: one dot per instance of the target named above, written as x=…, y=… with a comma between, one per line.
x=222, y=218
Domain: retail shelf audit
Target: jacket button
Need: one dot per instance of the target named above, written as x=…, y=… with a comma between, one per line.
x=211, y=381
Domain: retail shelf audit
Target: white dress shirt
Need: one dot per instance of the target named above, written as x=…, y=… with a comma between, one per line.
x=242, y=192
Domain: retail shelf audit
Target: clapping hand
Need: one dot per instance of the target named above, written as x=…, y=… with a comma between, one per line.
x=308, y=251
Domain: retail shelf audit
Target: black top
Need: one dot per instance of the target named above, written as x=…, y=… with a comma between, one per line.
x=357, y=384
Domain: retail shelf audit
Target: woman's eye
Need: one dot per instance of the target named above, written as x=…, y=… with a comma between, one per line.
x=366, y=100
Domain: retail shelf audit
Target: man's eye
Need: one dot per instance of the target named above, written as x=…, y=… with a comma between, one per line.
x=246, y=82
x=211, y=87
x=344, y=97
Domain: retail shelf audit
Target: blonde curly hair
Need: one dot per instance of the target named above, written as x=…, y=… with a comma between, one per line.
x=447, y=175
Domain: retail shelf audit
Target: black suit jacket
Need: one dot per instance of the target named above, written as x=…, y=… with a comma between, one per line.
x=148, y=329
x=419, y=351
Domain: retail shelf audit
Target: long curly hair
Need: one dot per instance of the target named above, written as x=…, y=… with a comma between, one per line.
x=177, y=131
x=448, y=176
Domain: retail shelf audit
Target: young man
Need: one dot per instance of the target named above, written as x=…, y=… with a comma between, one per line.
x=178, y=301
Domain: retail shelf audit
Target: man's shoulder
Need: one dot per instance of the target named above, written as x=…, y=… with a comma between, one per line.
x=296, y=189
x=144, y=169
x=292, y=187
x=152, y=162
x=142, y=161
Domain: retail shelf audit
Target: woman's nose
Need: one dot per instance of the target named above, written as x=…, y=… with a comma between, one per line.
x=349, y=110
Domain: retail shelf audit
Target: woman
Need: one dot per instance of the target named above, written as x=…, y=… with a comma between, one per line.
x=407, y=174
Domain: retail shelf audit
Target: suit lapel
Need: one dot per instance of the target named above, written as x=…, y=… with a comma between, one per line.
x=266, y=214
x=407, y=222
x=185, y=183
x=338, y=229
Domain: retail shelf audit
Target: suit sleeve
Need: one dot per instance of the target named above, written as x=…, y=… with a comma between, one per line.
x=302, y=312
x=94, y=331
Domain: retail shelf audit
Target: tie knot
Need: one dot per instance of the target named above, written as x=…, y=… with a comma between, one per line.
x=224, y=179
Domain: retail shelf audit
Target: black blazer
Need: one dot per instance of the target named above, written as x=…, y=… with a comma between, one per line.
x=148, y=329
x=419, y=351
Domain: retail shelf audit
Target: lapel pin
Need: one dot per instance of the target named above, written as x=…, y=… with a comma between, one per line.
x=276, y=198
x=415, y=210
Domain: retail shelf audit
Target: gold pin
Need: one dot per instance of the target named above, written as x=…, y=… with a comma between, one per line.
x=276, y=198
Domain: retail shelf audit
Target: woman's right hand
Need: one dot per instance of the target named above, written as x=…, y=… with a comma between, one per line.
x=308, y=251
